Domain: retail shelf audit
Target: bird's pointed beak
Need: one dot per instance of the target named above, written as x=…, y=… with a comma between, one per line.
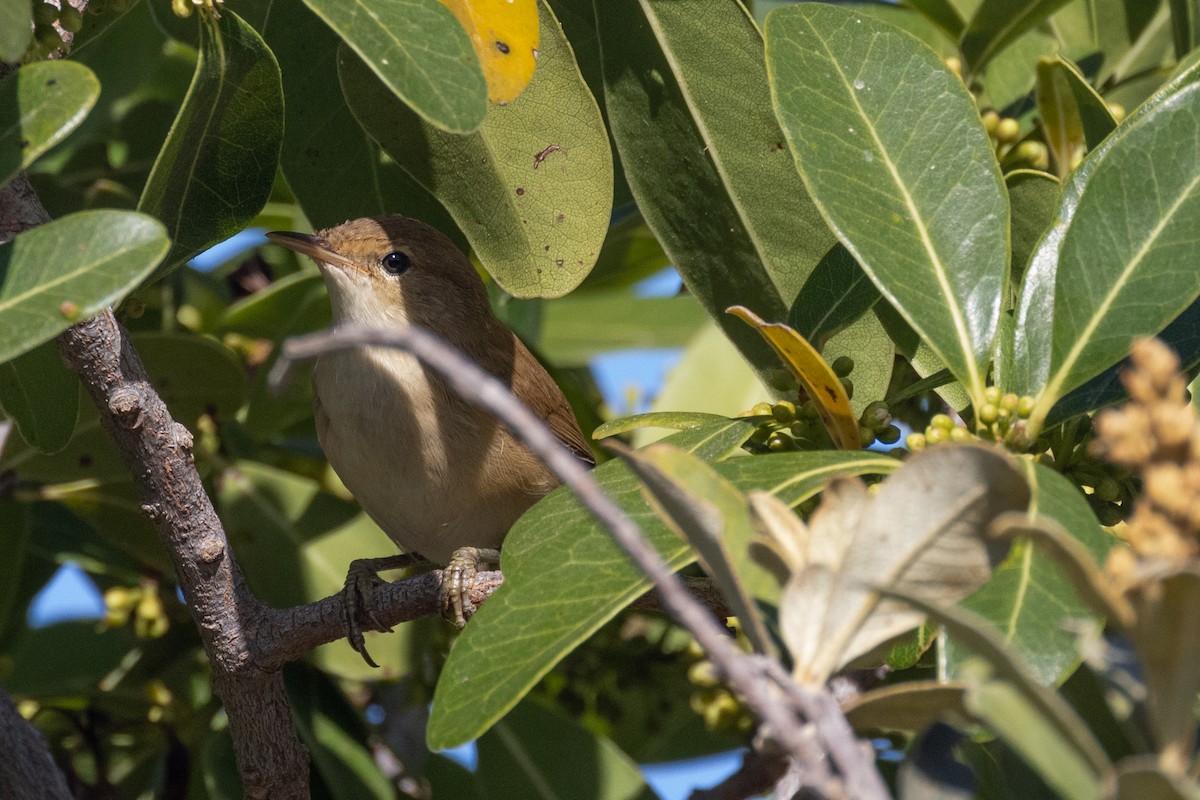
x=314, y=247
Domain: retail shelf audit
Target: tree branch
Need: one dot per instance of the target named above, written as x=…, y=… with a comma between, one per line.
x=761, y=682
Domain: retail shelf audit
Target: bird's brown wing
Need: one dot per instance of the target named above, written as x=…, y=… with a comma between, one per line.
x=539, y=391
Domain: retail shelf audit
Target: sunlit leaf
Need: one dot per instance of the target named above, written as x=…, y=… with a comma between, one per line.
x=929, y=221
x=40, y=104
x=1074, y=116
x=419, y=51
x=68, y=270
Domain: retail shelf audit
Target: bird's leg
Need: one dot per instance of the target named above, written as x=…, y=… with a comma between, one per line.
x=459, y=576
x=361, y=580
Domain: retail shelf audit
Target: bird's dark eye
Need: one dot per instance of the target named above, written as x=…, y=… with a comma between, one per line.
x=395, y=262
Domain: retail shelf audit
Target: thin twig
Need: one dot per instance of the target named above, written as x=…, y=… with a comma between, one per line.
x=756, y=682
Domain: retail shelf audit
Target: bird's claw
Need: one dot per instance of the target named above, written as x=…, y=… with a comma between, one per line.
x=357, y=594
x=457, y=579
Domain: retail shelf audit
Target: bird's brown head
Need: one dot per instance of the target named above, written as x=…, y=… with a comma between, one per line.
x=392, y=270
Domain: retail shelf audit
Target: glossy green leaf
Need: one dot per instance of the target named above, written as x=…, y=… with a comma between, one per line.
x=214, y=173
x=549, y=603
x=538, y=753
x=41, y=396
x=16, y=29
x=686, y=95
x=530, y=189
x=585, y=324
x=1028, y=599
x=1182, y=335
x=64, y=271
x=673, y=420
x=332, y=167
x=933, y=371
x=927, y=222
x=999, y=23
x=835, y=295
x=1074, y=116
x=1118, y=262
x=40, y=104
x=713, y=517
x=421, y=54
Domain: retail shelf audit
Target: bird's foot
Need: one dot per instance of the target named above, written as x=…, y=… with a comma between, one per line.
x=457, y=579
x=357, y=606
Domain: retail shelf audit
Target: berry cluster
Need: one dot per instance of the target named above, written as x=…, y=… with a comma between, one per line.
x=787, y=427
x=1001, y=419
x=46, y=36
x=143, y=604
x=712, y=700
x=1069, y=448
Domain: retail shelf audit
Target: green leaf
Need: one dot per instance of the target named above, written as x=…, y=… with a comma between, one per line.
x=933, y=371
x=64, y=659
x=874, y=356
x=1024, y=726
x=549, y=604
x=70, y=269
x=686, y=95
x=332, y=167
x=585, y=324
x=927, y=221
x=41, y=396
x=1028, y=599
x=1112, y=268
x=999, y=23
x=531, y=189
x=835, y=295
x=1033, y=197
x=214, y=173
x=712, y=516
x=941, y=13
x=421, y=54
x=630, y=253
x=674, y=420
x=1142, y=778
x=16, y=30
x=1074, y=116
x=40, y=104
x=194, y=375
x=1185, y=26
x=538, y=753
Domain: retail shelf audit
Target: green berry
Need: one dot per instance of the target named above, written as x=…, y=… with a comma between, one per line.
x=784, y=411
x=942, y=421
x=1025, y=407
x=889, y=435
x=842, y=366
x=1107, y=490
x=762, y=409
x=70, y=19
x=780, y=442
x=959, y=434
x=848, y=385
x=48, y=37
x=1033, y=153
x=936, y=435
x=866, y=436
x=1007, y=130
x=990, y=120
x=1107, y=513
x=1009, y=402
x=916, y=442
x=992, y=395
x=45, y=14
x=989, y=414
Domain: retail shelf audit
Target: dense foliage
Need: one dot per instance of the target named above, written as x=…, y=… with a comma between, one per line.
x=948, y=215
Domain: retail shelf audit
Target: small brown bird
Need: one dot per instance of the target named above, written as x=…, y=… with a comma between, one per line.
x=442, y=478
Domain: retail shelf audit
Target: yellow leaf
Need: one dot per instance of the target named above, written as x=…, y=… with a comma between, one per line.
x=823, y=387
x=505, y=35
